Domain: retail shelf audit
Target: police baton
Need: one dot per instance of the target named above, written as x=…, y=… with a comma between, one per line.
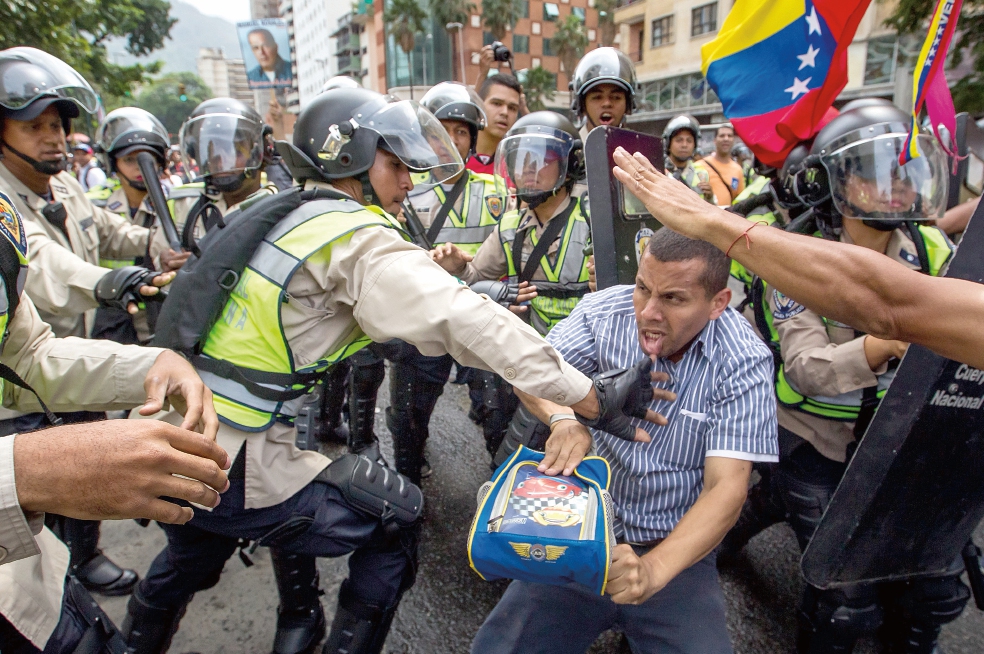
x=416, y=228
x=148, y=168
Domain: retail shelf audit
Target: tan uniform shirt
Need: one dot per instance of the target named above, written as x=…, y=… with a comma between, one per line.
x=391, y=289
x=490, y=260
x=70, y=374
x=824, y=358
x=62, y=285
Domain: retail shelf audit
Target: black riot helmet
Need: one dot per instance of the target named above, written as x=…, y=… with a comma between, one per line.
x=853, y=171
x=860, y=103
x=30, y=82
x=602, y=66
x=130, y=129
x=678, y=124
x=455, y=101
x=336, y=137
x=540, y=154
x=784, y=181
x=226, y=139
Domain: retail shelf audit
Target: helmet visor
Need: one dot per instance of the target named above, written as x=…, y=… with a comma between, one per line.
x=27, y=74
x=222, y=144
x=416, y=137
x=867, y=182
x=126, y=127
x=450, y=101
x=604, y=67
x=532, y=163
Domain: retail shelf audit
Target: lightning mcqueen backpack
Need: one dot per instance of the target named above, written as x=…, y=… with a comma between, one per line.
x=544, y=529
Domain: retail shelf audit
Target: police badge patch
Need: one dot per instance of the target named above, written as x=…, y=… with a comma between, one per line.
x=10, y=224
x=494, y=204
x=785, y=307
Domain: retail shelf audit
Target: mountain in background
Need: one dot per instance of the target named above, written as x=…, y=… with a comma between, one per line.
x=193, y=30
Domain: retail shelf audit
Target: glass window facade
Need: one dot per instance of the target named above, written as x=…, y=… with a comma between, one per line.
x=521, y=44
x=550, y=11
x=888, y=54
x=680, y=92
x=430, y=57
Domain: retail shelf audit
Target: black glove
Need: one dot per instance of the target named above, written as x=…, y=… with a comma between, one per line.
x=621, y=393
x=121, y=286
x=500, y=292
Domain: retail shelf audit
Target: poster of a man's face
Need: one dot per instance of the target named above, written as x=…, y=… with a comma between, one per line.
x=266, y=53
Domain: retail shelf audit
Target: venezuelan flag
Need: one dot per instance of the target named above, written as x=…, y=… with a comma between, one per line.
x=778, y=66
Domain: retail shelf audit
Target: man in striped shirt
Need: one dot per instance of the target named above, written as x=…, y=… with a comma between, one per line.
x=681, y=485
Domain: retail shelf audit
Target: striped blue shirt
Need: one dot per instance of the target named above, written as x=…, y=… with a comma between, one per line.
x=725, y=407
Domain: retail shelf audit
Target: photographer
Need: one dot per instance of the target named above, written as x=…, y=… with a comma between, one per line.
x=503, y=101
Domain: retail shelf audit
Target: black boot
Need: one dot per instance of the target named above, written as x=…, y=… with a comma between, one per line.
x=333, y=429
x=148, y=629
x=399, y=420
x=300, y=618
x=364, y=384
x=89, y=565
x=917, y=610
x=424, y=401
x=357, y=628
x=763, y=508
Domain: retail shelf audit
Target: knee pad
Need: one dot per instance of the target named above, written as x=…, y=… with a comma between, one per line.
x=832, y=620
x=805, y=502
x=935, y=601
x=376, y=491
x=367, y=377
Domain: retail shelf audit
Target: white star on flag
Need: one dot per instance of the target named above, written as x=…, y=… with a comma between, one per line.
x=814, y=22
x=808, y=59
x=798, y=88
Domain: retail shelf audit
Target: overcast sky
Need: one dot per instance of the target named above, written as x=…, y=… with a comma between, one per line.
x=231, y=10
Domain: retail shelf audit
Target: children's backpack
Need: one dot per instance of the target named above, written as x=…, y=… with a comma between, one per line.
x=544, y=529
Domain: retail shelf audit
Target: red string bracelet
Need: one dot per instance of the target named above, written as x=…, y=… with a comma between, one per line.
x=748, y=239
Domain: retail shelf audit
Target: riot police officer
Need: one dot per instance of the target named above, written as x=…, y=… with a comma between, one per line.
x=463, y=210
x=66, y=236
x=333, y=274
x=603, y=89
x=540, y=249
x=680, y=138
x=832, y=376
x=123, y=134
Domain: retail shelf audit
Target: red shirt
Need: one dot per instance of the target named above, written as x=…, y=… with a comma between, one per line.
x=480, y=163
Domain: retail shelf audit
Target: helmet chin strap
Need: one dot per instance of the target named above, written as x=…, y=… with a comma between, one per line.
x=43, y=167
x=140, y=186
x=229, y=185
x=368, y=192
x=534, y=200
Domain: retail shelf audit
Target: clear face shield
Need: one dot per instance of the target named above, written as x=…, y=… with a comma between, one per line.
x=415, y=136
x=222, y=144
x=27, y=74
x=867, y=182
x=532, y=164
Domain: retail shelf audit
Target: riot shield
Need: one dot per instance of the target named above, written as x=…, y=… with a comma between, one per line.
x=620, y=223
x=967, y=177
x=913, y=493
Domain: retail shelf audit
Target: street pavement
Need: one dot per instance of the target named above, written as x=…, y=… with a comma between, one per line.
x=445, y=608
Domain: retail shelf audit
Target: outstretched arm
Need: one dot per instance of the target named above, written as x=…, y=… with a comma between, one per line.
x=843, y=282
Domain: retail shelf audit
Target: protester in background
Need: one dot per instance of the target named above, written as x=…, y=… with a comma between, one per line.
x=88, y=172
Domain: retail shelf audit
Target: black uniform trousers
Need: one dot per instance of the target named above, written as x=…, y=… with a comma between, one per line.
x=380, y=568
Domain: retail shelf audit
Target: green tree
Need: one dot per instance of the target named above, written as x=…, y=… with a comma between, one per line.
x=569, y=42
x=76, y=31
x=405, y=20
x=540, y=87
x=162, y=97
x=446, y=12
x=499, y=16
x=912, y=17
x=606, y=20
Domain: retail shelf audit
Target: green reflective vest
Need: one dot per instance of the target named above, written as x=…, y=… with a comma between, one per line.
x=249, y=332
x=100, y=194
x=846, y=406
x=566, y=277
x=480, y=212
